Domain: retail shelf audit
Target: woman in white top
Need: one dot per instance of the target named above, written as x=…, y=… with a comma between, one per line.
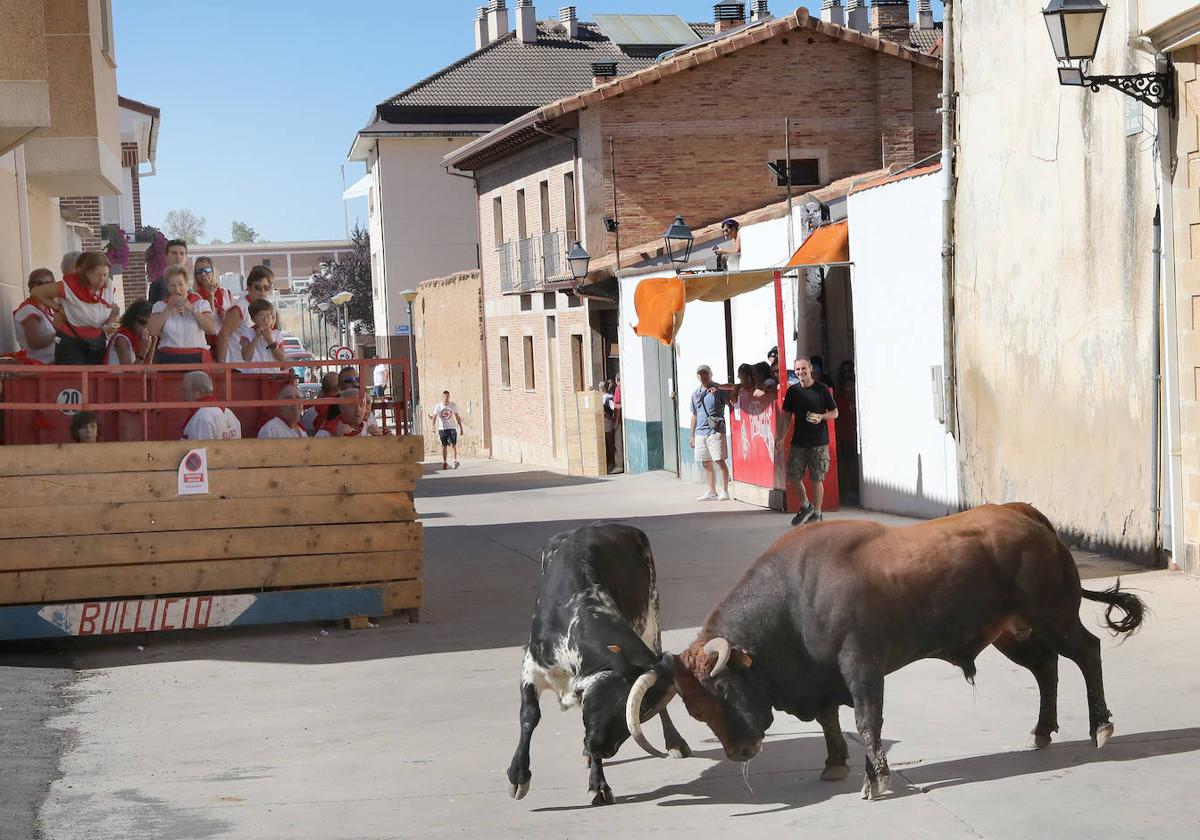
x=259, y=283
x=181, y=322
x=87, y=314
x=258, y=338
x=33, y=322
x=130, y=342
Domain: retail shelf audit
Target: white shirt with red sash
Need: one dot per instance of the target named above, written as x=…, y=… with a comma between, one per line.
x=182, y=331
x=44, y=323
x=233, y=353
x=85, y=310
x=212, y=422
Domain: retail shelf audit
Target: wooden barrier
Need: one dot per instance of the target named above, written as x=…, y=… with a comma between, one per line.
x=325, y=525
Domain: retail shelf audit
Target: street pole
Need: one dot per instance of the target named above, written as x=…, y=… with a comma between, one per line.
x=412, y=369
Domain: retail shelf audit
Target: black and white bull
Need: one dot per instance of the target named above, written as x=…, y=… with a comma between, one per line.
x=595, y=642
x=829, y=610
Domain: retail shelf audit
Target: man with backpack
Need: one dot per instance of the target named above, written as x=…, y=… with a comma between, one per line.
x=708, y=433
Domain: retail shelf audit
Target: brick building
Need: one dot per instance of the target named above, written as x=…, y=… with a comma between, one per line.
x=690, y=135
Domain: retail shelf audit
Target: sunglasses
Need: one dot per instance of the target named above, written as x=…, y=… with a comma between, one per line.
x=204, y=270
x=353, y=381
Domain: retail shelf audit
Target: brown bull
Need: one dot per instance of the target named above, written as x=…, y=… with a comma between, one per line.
x=829, y=610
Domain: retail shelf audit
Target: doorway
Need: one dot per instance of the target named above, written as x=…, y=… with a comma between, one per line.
x=669, y=407
x=838, y=308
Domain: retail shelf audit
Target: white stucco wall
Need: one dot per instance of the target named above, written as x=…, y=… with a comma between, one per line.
x=908, y=461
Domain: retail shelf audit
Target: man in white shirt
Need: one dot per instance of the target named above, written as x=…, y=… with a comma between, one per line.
x=448, y=424
x=286, y=423
x=209, y=422
x=382, y=379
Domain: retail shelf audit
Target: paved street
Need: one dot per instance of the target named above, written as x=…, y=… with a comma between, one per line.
x=405, y=730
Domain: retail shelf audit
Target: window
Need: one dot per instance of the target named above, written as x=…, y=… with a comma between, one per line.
x=574, y=301
x=498, y=220
x=505, y=375
x=569, y=208
x=522, y=226
x=526, y=303
x=267, y=262
x=549, y=301
x=804, y=172
x=530, y=385
x=544, y=189
x=107, y=44
x=577, y=362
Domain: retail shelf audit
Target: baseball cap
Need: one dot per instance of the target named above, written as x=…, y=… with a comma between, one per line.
x=704, y=369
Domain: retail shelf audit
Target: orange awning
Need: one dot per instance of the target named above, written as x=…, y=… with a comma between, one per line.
x=659, y=303
x=827, y=244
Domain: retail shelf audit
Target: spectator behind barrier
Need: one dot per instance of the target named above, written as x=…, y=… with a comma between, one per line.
x=84, y=428
x=176, y=255
x=181, y=322
x=70, y=262
x=87, y=314
x=259, y=340
x=318, y=415
x=33, y=322
x=209, y=422
x=130, y=343
x=259, y=283
x=353, y=419
x=286, y=423
x=209, y=287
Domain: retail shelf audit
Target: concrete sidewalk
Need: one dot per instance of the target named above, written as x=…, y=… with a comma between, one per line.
x=405, y=730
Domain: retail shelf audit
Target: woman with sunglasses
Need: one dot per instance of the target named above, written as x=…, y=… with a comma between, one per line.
x=209, y=288
x=130, y=343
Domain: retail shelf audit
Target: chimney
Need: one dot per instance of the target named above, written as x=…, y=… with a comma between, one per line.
x=603, y=71
x=925, y=14
x=857, y=15
x=526, y=22
x=497, y=20
x=889, y=19
x=832, y=12
x=759, y=11
x=569, y=20
x=728, y=15
x=481, y=28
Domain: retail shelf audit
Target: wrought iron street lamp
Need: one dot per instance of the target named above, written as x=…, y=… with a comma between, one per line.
x=678, y=239
x=578, y=259
x=1075, y=27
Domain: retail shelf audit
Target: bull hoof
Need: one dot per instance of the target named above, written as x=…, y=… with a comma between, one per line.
x=1038, y=741
x=518, y=791
x=876, y=790
x=834, y=773
x=1102, y=734
x=680, y=751
x=604, y=796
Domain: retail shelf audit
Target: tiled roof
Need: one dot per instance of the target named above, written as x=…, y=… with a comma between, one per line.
x=924, y=40
x=508, y=78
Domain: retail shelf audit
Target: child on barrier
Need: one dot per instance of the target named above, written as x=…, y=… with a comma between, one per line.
x=259, y=339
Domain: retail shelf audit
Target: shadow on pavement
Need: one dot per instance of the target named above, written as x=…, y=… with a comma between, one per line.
x=467, y=484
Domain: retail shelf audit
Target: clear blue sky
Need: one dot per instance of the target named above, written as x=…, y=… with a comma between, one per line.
x=261, y=99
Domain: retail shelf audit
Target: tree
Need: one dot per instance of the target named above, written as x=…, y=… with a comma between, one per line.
x=186, y=225
x=242, y=232
x=351, y=273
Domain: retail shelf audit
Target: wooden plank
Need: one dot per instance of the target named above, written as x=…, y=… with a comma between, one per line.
x=140, y=456
x=187, y=515
x=403, y=595
x=256, y=483
x=51, y=586
x=178, y=546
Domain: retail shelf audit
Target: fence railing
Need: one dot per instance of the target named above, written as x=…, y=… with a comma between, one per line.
x=527, y=265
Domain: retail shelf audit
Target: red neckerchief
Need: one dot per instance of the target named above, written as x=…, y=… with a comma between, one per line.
x=212, y=398
x=82, y=290
x=215, y=300
x=135, y=340
x=193, y=297
x=37, y=304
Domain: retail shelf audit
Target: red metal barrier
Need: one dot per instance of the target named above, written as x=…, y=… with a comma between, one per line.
x=143, y=402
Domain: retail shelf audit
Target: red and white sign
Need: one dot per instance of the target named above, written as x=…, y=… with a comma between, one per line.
x=105, y=618
x=752, y=440
x=343, y=353
x=193, y=473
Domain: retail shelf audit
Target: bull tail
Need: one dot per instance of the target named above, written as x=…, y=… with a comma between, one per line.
x=1131, y=605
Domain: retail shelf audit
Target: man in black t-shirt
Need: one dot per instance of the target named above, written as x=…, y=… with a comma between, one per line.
x=811, y=406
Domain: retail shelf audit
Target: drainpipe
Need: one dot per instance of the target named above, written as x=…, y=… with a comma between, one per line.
x=1156, y=384
x=486, y=408
x=948, y=111
x=23, y=214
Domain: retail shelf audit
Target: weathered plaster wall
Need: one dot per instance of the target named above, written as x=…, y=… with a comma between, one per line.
x=1053, y=282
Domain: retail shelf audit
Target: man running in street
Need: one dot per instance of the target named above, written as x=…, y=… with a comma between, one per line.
x=449, y=424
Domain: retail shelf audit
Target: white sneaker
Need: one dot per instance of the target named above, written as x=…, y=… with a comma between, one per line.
x=710, y=496
x=723, y=496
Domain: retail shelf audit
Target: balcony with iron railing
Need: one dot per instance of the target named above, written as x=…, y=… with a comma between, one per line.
x=528, y=265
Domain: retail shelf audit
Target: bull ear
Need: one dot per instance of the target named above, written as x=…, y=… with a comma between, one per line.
x=742, y=658
x=614, y=648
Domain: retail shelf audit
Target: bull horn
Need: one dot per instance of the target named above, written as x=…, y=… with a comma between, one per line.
x=720, y=647
x=633, y=712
